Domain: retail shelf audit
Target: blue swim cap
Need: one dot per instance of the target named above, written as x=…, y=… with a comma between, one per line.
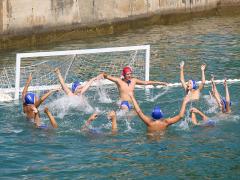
x=157, y=113
x=225, y=103
x=194, y=84
x=75, y=85
x=29, y=98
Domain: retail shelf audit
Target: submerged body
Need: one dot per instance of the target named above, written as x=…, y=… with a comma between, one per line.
x=206, y=121
x=224, y=103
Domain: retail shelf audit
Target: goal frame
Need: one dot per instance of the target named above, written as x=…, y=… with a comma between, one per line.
x=20, y=56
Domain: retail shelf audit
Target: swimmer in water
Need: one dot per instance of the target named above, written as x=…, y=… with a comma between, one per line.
x=77, y=87
x=31, y=103
x=111, y=116
x=191, y=88
x=205, y=119
x=157, y=123
x=126, y=84
x=223, y=103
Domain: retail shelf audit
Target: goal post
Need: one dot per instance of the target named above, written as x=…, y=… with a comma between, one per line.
x=84, y=62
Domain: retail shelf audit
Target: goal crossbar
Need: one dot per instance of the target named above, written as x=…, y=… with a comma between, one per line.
x=20, y=56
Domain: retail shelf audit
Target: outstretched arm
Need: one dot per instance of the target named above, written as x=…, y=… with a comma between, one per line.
x=228, y=109
x=113, y=118
x=26, y=86
x=61, y=80
x=87, y=85
x=140, y=82
x=194, y=119
x=51, y=118
x=144, y=118
x=89, y=121
x=111, y=78
x=178, y=117
x=215, y=92
x=44, y=97
x=203, y=67
x=182, y=76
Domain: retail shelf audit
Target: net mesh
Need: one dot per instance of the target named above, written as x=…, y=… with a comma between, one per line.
x=79, y=67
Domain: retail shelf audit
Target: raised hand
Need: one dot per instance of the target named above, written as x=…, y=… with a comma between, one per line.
x=57, y=70
x=203, y=67
x=225, y=82
x=181, y=64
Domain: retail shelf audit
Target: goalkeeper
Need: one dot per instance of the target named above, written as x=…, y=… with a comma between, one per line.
x=126, y=84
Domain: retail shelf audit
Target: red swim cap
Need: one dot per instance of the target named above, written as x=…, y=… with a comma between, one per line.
x=126, y=70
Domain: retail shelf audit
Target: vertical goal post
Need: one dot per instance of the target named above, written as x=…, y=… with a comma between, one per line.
x=20, y=57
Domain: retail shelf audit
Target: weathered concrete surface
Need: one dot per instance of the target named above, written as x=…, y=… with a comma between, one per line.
x=33, y=23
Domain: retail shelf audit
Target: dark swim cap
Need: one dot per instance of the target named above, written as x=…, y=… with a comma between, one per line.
x=194, y=84
x=30, y=98
x=157, y=113
x=75, y=85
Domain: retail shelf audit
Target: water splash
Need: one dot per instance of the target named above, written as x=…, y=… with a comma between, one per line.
x=211, y=102
x=103, y=95
x=158, y=95
x=62, y=105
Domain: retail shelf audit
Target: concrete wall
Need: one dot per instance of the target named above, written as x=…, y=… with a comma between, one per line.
x=33, y=17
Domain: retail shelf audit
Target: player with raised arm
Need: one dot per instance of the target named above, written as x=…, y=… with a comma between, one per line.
x=224, y=103
x=31, y=103
x=126, y=84
x=191, y=88
x=157, y=123
x=77, y=87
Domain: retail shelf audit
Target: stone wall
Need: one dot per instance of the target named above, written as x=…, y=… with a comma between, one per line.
x=27, y=19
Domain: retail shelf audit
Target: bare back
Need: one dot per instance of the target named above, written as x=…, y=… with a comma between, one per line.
x=157, y=126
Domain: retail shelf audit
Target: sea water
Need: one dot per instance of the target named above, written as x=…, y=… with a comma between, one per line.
x=179, y=153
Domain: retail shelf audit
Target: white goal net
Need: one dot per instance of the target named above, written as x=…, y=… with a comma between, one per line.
x=74, y=65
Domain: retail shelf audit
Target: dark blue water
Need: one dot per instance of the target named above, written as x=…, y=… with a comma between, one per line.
x=195, y=152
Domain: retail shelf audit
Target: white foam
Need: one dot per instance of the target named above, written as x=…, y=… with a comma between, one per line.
x=103, y=95
x=62, y=105
x=155, y=97
x=5, y=97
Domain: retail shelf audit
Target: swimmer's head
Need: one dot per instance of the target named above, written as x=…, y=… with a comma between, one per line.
x=157, y=113
x=127, y=72
x=75, y=85
x=191, y=84
x=30, y=98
